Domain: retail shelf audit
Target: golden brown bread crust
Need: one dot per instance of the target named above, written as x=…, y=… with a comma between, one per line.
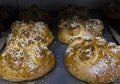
x=112, y=10
x=34, y=13
x=31, y=32
x=21, y=65
x=76, y=27
x=94, y=61
x=25, y=58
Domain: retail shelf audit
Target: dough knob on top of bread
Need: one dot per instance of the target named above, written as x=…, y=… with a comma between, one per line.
x=94, y=61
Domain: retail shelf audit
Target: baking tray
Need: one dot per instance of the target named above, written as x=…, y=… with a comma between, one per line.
x=59, y=75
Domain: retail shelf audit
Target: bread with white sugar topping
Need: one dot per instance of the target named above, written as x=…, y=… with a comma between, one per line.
x=94, y=61
x=26, y=56
x=76, y=27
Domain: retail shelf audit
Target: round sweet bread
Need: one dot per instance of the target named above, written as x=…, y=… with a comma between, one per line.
x=18, y=64
x=112, y=10
x=73, y=10
x=26, y=56
x=34, y=13
x=94, y=61
x=30, y=32
x=76, y=27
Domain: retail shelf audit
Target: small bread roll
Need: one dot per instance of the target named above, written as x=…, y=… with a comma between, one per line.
x=26, y=56
x=76, y=27
x=112, y=10
x=34, y=13
x=30, y=32
x=94, y=61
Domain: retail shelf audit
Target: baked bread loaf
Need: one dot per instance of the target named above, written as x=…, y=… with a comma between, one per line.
x=76, y=27
x=30, y=32
x=7, y=16
x=26, y=56
x=112, y=10
x=94, y=61
x=34, y=13
x=73, y=10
